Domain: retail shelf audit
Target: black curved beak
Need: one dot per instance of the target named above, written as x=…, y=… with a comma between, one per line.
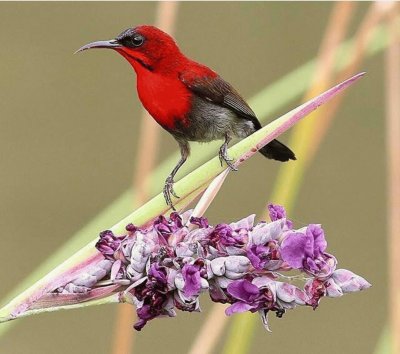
x=111, y=44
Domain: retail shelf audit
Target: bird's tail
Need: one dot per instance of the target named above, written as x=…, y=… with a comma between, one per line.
x=277, y=151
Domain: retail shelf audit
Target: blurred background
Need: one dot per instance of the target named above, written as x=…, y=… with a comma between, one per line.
x=69, y=140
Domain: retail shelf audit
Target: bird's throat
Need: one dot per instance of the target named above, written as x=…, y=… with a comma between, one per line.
x=135, y=60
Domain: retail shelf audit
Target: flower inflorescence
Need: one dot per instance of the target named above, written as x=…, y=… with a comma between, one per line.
x=169, y=263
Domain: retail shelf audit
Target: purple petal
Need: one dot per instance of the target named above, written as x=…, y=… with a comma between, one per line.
x=176, y=220
x=108, y=243
x=348, y=281
x=159, y=274
x=332, y=289
x=199, y=235
x=276, y=212
x=289, y=295
x=104, y=249
x=294, y=248
x=223, y=234
x=316, y=232
x=199, y=221
x=258, y=256
x=131, y=228
x=243, y=290
x=237, y=307
x=285, y=292
x=216, y=293
x=144, y=314
x=331, y=263
x=191, y=276
x=311, y=265
x=254, y=259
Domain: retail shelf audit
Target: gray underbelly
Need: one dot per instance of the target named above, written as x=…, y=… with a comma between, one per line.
x=209, y=121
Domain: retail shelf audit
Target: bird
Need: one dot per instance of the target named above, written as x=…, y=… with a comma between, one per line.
x=188, y=99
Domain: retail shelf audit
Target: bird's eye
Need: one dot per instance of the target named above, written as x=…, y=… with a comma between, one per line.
x=137, y=40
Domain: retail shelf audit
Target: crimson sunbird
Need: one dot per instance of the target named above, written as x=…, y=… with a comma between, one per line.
x=188, y=99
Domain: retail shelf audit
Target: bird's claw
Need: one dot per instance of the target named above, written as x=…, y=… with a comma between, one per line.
x=173, y=192
x=223, y=157
x=168, y=191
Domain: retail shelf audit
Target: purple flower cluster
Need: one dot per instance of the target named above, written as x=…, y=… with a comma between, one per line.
x=169, y=263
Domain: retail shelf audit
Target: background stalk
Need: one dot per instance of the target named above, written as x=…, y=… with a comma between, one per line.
x=392, y=66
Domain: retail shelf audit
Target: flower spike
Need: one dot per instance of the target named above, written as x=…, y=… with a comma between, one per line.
x=168, y=264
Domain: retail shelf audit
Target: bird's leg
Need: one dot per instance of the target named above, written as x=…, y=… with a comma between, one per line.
x=223, y=153
x=169, y=182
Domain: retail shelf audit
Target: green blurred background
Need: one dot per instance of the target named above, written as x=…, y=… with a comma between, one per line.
x=68, y=140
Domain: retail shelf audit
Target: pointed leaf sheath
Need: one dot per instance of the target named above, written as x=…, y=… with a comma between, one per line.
x=71, y=283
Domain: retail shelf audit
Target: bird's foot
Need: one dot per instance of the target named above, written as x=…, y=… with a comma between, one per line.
x=168, y=191
x=223, y=157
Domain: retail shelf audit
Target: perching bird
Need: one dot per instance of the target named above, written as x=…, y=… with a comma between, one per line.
x=189, y=100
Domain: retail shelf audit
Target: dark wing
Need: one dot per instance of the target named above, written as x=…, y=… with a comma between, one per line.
x=220, y=92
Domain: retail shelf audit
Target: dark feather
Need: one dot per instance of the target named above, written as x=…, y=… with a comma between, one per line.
x=220, y=92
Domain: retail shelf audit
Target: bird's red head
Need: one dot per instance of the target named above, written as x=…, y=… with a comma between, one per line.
x=145, y=47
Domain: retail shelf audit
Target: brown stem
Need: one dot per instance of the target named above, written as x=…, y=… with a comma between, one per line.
x=392, y=63
x=376, y=13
